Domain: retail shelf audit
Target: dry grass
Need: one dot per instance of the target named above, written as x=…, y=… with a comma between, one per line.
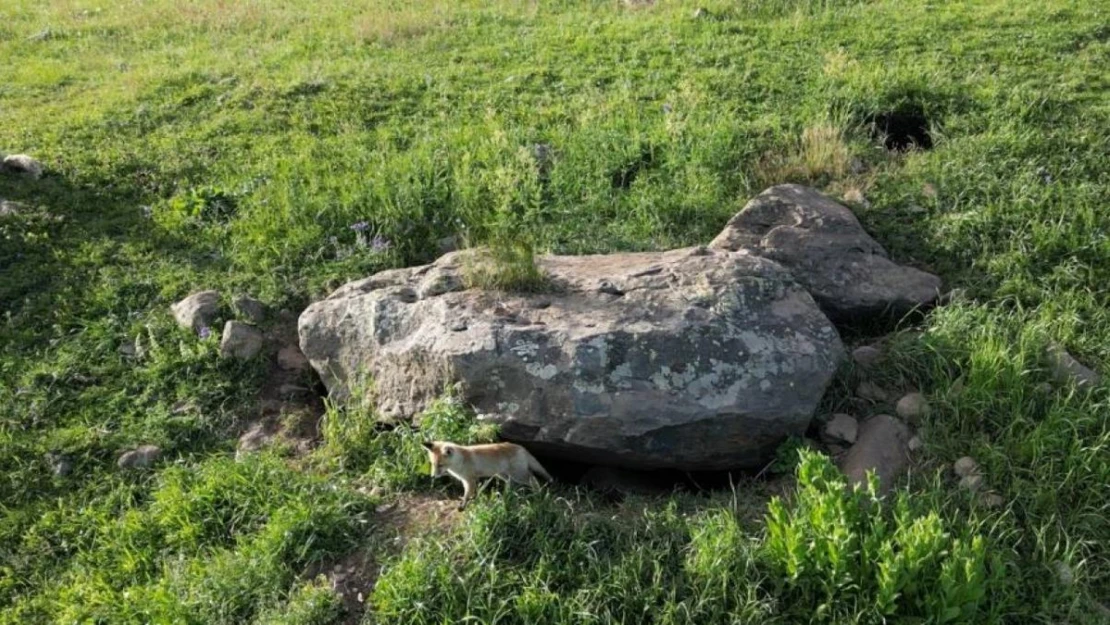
x=821, y=154
x=392, y=26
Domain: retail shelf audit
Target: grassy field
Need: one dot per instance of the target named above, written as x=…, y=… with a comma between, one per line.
x=232, y=145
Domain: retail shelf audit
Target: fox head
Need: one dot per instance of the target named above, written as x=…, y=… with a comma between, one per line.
x=440, y=455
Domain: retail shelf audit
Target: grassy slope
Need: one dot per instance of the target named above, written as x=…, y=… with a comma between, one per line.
x=419, y=119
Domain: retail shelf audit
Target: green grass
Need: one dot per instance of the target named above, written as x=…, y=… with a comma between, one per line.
x=225, y=145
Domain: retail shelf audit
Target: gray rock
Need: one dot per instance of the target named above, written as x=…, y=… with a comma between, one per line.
x=915, y=444
x=1067, y=370
x=9, y=208
x=972, y=482
x=912, y=408
x=867, y=356
x=142, y=458
x=847, y=272
x=882, y=448
x=965, y=466
x=21, y=164
x=197, y=310
x=249, y=308
x=707, y=360
x=290, y=358
x=240, y=340
x=60, y=464
x=842, y=428
x=873, y=392
x=992, y=500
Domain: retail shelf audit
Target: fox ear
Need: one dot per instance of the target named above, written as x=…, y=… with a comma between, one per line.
x=428, y=445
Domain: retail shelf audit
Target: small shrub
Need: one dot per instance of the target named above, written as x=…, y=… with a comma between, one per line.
x=505, y=266
x=843, y=555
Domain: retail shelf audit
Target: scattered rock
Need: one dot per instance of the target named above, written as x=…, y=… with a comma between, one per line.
x=9, y=208
x=966, y=466
x=992, y=500
x=197, y=310
x=21, y=164
x=972, y=482
x=842, y=428
x=142, y=458
x=291, y=389
x=249, y=308
x=929, y=190
x=240, y=340
x=60, y=464
x=912, y=408
x=255, y=438
x=847, y=272
x=881, y=448
x=705, y=362
x=1064, y=573
x=290, y=358
x=867, y=356
x=873, y=392
x=915, y=444
x=1066, y=369
x=446, y=245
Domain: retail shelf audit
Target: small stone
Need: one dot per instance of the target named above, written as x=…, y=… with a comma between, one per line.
x=292, y=389
x=856, y=166
x=249, y=308
x=972, y=482
x=929, y=190
x=1044, y=388
x=881, y=447
x=915, y=444
x=993, y=500
x=867, y=356
x=965, y=466
x=240, y=340
x=254, y=438
x=458, y=325
x=9, y=208
x=23, y=165
x=1064, y=573
x=197, y=310
x=912, y=408
x=142, y=458
x=842, y=428
x=290, y=358
x=446, y=245
x=1066, y=369
x=60, y=464
x=127, y=350
x=873, y=392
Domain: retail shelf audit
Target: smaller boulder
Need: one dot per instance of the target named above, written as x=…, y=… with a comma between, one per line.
x=142, y=458
x=912, y=408
x=992, y=500
x=9, y=208
x=290, y=358
x=21, y=164
x=965, y=466
x=881, y=448
x=875, y=393
x=972, y=482
x=240, y=340
x=60, y=464
x=866, y=356
x=1066, y=369
x=915, y=444
x=249, y=308
x=197, y=310
x=842, y=428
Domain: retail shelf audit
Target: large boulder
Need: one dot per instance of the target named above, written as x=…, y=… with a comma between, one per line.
x=847, y=272
x=696, y=359
x=691, y=359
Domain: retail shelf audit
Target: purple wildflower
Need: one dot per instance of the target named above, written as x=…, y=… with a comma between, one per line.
x=204, y=332
x=360, y=226
x=379, y=243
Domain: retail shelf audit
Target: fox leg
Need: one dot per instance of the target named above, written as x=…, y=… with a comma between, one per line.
x=468, y=493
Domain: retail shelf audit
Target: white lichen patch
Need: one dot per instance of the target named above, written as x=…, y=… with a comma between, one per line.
x=543, y=372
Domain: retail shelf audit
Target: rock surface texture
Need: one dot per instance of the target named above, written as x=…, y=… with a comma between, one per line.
x=694, y=358
x=882, y=447
x=823, y=244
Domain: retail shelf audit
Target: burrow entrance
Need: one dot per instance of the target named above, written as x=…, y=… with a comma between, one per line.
x=902, y=129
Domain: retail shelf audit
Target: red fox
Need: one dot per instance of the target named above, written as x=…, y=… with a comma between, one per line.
x=467, y=464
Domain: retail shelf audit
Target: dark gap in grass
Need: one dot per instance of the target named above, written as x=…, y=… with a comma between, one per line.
x=625, y=176
x=902, y=129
